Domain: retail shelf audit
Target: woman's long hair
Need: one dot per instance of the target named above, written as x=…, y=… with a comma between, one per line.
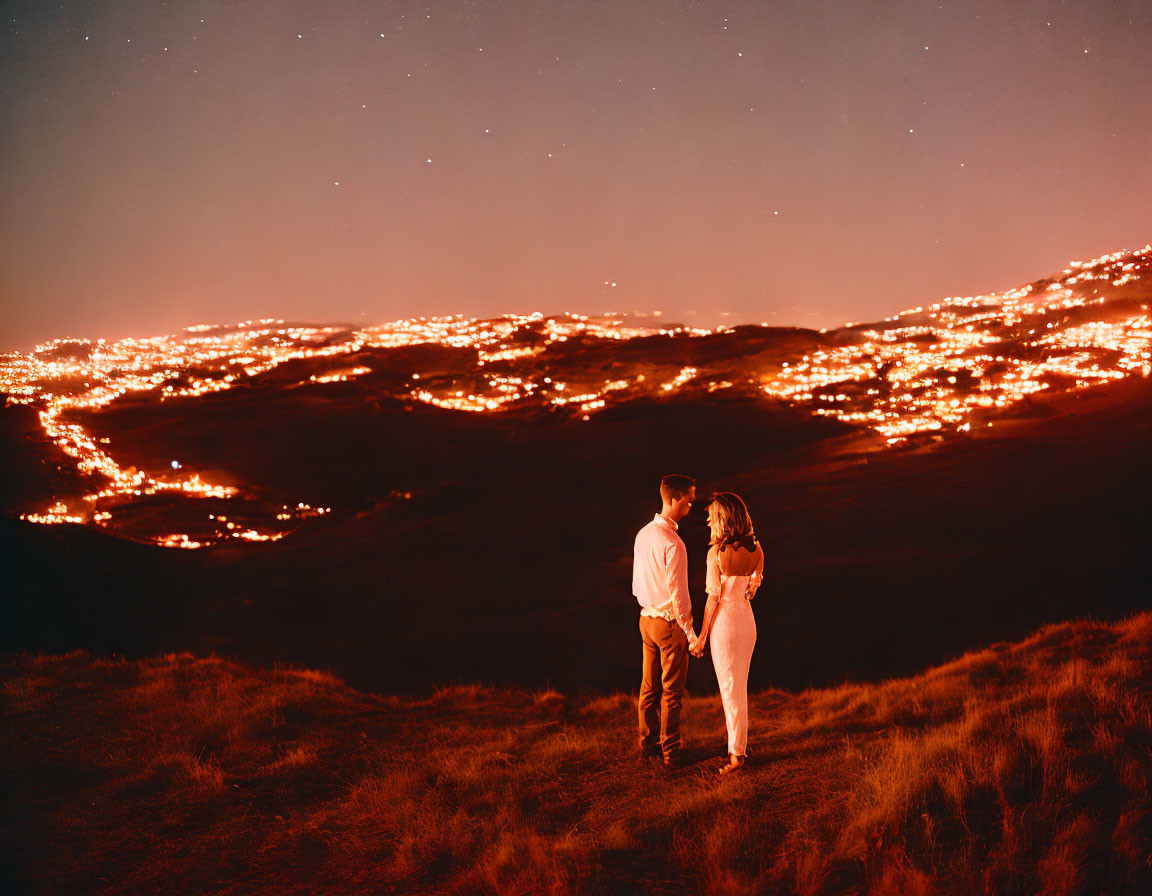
x=735, y=523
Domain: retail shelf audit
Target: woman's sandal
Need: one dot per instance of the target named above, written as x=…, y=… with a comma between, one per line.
x=733, y=766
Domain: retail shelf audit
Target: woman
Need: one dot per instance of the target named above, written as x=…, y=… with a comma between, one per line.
x=735, y=570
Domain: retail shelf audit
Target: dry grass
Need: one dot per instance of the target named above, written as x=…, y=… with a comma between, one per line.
x=1020, y=768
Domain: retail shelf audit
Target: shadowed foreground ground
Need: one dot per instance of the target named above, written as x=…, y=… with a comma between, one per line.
x=1018, y=768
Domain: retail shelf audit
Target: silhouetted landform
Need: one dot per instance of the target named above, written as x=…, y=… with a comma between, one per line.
x=1017, y=768
x=510, y=563
x=130, y=414
x=960, y=473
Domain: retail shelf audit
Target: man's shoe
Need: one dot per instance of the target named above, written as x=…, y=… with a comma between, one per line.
x=674, y=761
x=648, y=754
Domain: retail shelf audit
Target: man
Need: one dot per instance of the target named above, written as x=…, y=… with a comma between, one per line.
x=660, y=584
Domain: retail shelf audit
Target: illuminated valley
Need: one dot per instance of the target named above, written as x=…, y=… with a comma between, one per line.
x=940, y=369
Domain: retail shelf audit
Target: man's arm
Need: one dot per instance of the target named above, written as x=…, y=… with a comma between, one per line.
x=676, y=567
x=713, y=589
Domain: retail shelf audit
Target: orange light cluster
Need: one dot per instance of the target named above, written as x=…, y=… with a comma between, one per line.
x=927, y=369
x=930, y=368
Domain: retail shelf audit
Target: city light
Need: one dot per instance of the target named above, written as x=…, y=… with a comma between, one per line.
x=932, y=369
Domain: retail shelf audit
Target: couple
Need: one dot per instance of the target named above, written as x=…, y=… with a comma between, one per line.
x=660, y=584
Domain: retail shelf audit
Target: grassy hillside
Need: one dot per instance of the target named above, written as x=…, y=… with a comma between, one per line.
x=1019, y=768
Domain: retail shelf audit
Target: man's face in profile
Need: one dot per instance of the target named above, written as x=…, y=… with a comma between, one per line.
x=680, y=508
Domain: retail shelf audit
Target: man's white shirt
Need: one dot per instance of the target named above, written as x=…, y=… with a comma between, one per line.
x=660, y=574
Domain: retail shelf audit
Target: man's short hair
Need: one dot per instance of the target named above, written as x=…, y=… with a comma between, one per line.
x=674, y=487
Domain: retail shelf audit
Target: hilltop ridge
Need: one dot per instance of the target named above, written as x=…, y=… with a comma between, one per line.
x=944, y=368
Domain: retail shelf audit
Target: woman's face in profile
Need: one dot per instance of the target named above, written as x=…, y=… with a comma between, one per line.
x=713, y=522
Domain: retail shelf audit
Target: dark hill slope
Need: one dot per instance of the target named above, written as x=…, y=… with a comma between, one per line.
x=510, y=562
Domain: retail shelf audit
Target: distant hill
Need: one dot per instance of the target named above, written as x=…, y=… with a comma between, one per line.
x=450, y=500
x=1016, y=768
x=234, y=433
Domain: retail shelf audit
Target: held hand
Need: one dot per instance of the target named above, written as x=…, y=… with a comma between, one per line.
x=697, y=649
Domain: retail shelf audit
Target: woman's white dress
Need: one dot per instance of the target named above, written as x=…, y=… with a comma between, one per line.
x=732, y=639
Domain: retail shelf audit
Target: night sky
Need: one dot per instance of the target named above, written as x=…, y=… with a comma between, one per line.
x=808, y=162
